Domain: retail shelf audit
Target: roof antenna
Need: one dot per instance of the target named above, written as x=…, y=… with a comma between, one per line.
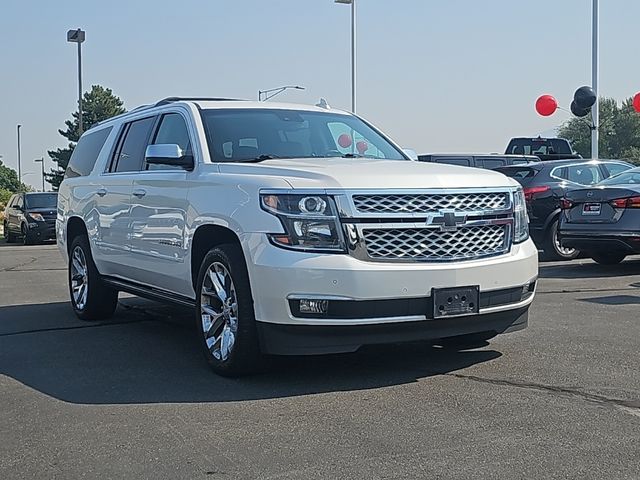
x=323, y=104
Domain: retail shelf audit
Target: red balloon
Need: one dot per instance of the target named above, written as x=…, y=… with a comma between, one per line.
x=636, y=102
x=362, y=147
x=344, y=140
x=546, y=105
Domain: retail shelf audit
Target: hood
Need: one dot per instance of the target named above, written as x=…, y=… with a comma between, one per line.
x=365, y=173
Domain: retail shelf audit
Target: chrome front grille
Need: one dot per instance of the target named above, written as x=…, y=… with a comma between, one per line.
x=430, y=202
x=433, y=244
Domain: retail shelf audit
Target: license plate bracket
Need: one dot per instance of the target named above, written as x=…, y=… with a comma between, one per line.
x=591, y=209
x=451, y=302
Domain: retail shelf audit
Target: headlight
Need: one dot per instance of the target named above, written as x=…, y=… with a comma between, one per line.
x=310, y=222
x=36, y=216
x=521, y=224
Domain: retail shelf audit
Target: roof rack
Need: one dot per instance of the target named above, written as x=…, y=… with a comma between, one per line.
x=167, y=100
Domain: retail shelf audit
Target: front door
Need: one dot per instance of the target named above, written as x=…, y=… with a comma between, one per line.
x=158, y=214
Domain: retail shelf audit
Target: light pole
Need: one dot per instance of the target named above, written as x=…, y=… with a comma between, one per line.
x=19, y=154
x=272, y=92
x=353, y=50
x=77, y=36
x=595, y=113
x=41, y=161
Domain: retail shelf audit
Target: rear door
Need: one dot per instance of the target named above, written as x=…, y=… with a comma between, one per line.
x=159, y=211
x=113, y=204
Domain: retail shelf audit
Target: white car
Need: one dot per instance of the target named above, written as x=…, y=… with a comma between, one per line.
x=290, y=230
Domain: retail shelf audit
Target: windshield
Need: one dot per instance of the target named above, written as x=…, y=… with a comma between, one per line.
x=41, y=200
x=627, y=178
x=236, y=135
x=539, y=146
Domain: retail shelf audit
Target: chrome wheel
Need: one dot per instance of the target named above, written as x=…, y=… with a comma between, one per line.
x=79, y=278
x=219, y=311
x=564, y=251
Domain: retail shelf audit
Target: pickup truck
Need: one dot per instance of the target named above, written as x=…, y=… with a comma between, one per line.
x=543, y=148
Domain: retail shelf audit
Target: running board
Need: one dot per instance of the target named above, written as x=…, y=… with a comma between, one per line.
x=149, y=292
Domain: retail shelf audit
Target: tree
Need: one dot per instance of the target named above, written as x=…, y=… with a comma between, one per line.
x=619, y=131
x=98, y=105
x=9, y=180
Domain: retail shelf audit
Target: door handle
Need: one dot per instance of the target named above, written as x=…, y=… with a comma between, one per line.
x=139, y=192
x=102, y=192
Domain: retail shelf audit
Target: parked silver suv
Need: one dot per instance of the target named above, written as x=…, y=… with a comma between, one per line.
x=290, y=230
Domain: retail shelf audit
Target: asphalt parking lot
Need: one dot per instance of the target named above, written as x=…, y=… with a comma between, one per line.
x=132, y=398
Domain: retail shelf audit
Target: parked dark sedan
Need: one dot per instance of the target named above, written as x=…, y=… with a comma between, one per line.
x=545, y=184
x=490, y=162
x=31, y=217
x=604, y=221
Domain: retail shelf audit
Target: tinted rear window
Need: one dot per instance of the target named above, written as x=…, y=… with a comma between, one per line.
x=86, y=153
x=463, y=162
x=41, y=200
x=539, y=146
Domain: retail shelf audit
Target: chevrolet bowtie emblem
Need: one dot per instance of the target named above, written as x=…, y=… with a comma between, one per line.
x=447, y=220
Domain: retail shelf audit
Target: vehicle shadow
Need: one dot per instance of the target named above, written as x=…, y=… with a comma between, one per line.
x=614, y=300
x=142, y=357
x=588, y=269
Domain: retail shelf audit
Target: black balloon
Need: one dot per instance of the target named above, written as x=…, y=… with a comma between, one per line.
x=584, y=97
x=579, y=112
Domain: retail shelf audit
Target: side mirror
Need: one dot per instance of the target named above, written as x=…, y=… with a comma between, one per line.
x=409, y=152
x=168, y=154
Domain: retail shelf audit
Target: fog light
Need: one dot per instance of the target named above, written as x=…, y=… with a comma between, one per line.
x=528, y=289
x=314, y=306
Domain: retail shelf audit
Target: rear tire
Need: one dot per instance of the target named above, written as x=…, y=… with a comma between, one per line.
x=608, y=258
x=91, y=299
x=552, y=248
x=225, y=319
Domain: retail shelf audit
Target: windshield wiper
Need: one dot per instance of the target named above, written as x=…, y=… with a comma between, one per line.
x=352, y=155
x=259, y=158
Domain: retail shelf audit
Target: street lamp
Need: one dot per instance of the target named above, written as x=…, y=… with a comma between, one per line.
x=353, y=50
x=41, y=161
x=272, y=92
x=77, y=36
x=19, y=152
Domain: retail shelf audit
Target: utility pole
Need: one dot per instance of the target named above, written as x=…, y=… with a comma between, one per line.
x=19, y=155
x=595, y=113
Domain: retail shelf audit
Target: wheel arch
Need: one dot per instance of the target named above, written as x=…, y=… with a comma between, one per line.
x=75, y=226
x=205, y=238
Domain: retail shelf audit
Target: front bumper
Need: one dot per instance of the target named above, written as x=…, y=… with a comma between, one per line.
x=279, y=275
x=42, y=231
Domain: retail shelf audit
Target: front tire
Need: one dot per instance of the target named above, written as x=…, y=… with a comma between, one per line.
x=225, y=319
x=26, y=238
x=9, y=237
x=91, y=299
x=553, y=249
x=608, y=258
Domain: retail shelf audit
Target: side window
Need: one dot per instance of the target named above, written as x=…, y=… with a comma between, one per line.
x=129, y=157
x=584, y=174
x=173, y=130
x=616, y=168
x=86, y=153
x=11, y=201
x=491, y=163
x=18, y=202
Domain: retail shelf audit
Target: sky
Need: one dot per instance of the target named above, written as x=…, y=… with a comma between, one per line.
x=436, y=75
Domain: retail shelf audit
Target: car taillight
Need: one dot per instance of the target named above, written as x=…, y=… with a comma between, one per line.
x=531, y=191
x=629, y=202
x=566, y=204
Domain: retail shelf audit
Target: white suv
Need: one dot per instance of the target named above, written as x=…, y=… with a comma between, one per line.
x=290, y=230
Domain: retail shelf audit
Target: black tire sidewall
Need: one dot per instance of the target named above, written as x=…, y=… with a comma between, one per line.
x=245, y=355
x=101, y=300
x=550, y=250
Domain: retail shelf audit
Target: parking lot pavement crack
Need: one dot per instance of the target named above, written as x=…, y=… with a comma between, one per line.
x=73, y=327
x=631, y=407
x=14, y=268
